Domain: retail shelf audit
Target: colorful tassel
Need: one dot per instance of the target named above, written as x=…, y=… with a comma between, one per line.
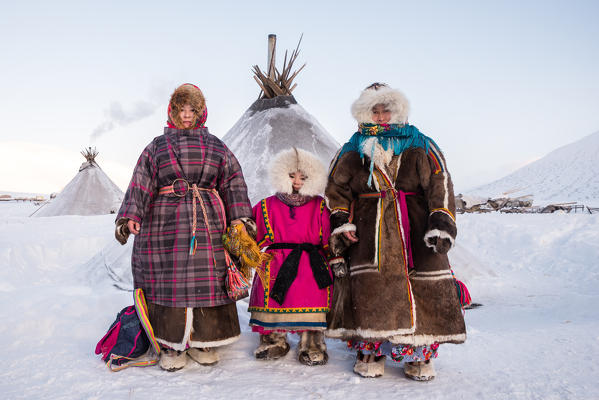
x=192, y=246
x=236, y=284
x=463, y=293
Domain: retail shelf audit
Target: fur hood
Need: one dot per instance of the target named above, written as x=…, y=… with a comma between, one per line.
x=186, y=94
x=294, y=159
x=375, y=94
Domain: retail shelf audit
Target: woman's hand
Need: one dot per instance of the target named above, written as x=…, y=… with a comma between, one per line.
x=351, y=236
x=133, y=226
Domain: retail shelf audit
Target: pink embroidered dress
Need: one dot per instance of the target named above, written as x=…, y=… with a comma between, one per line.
x=305, y=304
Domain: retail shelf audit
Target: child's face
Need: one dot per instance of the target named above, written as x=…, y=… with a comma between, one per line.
x=381, y=114
x=187, y=116
x=297, y=180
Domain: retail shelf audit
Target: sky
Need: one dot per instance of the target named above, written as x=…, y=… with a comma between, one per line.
x=496, y=84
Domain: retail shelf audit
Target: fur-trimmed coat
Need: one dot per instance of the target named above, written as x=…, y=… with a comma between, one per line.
x=381, y=298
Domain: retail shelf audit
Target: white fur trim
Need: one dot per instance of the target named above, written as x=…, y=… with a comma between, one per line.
x=376, y=229
x=437, y=233
x=421, y=340
x=393, y=99
x=214, y=343
x=431, y=278
x=433, y=273
x=292, y=160
x=368, y=333
x=344, y=228
x=446, y=197
x=187, y=333
x=381, y=157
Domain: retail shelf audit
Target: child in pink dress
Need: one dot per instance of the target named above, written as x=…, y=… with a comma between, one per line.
x=294, y=292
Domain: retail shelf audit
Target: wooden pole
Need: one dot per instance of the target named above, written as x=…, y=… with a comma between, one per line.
x=270, y=63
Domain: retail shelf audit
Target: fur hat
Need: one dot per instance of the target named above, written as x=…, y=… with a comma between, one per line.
x=380, y=93
x=187, y=94
x=292, y=160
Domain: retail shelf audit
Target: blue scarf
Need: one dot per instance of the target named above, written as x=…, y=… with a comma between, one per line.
x=400, y=137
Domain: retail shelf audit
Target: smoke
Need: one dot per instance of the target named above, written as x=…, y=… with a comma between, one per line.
x=116, y=115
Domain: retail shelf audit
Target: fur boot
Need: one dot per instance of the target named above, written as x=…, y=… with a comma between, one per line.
x=172, y=360
x=272, y=346
x=312, y=350
x=203, y=355
x=420, y=370
x=369, y=365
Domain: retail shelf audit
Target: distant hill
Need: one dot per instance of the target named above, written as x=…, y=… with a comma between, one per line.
x=569, y=173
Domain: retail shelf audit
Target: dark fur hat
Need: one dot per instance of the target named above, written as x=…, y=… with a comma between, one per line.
x=186, y=94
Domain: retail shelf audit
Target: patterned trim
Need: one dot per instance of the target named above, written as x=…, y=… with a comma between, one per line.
x=288, y=324
x=322, y=206
x=444, y=211
x=267, y=279
x=269, y=231
x=293, y=310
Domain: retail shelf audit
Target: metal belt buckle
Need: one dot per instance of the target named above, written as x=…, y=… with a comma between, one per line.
x=175, y=189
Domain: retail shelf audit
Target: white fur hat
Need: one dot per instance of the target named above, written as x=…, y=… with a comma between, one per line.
x=292, y=160
x=379, y=93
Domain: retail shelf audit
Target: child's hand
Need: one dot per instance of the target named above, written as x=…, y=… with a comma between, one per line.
x=133, y=226
x=238, y=222
x=351, y=236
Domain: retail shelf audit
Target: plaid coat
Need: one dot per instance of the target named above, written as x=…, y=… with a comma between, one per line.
x=161, y=261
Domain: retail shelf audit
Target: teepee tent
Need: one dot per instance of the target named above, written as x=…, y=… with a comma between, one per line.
x=273, y=123
x=90, y=192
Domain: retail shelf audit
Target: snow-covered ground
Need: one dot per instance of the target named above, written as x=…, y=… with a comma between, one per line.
x=536, y=336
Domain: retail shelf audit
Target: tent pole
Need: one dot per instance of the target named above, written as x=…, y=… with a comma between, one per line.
x=270, y=61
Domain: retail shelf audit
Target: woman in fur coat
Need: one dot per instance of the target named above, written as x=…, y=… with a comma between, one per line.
x=292, y=293
x=186, y=187
x=392, y=221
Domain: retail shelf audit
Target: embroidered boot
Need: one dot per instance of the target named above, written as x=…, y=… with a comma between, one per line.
x=419, y=370
x=369, y=365
x=203, y=355
x=312, y=350
x=172, y=360
x=272, y=346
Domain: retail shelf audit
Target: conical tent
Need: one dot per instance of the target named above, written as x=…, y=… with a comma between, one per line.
x=273, y=123
x=90, y=192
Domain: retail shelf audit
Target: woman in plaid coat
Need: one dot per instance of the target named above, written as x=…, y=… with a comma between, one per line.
x=186, y=187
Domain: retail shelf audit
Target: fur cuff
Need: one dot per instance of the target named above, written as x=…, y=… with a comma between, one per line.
x=442, y=221
x=436, y=233
x=344, y=228
x=339, y=219
x=337, y=242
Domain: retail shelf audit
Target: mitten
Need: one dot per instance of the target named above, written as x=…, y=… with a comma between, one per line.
x=121, y=231
x=439, y=241
x=338, y=266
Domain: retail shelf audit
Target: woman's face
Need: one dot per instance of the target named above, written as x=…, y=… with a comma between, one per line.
x=381, y=114
x=297, y=180
x=187, y=116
